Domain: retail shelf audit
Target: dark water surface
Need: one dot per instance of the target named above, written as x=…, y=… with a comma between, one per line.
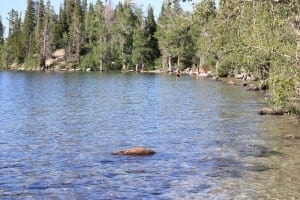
x=57, y=132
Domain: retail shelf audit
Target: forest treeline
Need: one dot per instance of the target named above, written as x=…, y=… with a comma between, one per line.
x=257, y=37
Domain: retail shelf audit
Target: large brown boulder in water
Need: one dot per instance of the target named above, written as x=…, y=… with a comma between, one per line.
x=135, y=151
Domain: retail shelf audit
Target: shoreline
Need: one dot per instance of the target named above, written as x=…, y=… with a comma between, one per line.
x=68, y=69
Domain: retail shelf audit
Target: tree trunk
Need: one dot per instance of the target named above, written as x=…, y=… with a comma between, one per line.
x=297, y=53
x=217, y=64
x=101, y=64
x=143, y=67
x=164, y=62
x=123, y=56
x=136, y=67
x=178, y=62
x=6, y=60
x=42, y=63
x=202, y=61
x=123, y=65
x=170, y=69
x=78, y=45
x=45, y=47
x=199, y=65
x=69, y=50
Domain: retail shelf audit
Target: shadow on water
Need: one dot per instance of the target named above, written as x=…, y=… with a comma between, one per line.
x=222, y=167
x=257, y=151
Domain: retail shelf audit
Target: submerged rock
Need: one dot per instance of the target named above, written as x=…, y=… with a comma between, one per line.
x=271, y=111
x=135, y=151
x=258, y=168
x=253, y=88
x=254, y=150
x=292, y=137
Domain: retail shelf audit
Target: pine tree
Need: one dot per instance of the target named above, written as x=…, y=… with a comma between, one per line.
x=28, y=27
x=63, y=19
x=95, y=43
x=202, y=31
x=2, y=58
x=162, y=36
x=46, y=36
x=124, y=27
x=152, y=42
x=77, y=28
x=60, y=28
x=14, y=46
x=1, y=32
x=103, y=35
x=140, y=49
x=110, y=41
x=69, y=6
x=173, y=30
x=40, y=18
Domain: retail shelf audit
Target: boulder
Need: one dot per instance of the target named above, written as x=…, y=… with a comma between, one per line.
x=239, y=76
x=135, y=151
x=205, y=75
x=216, y=78
x=14, y=66
x=271, y=111
x=231, y=82
x=250, y=78
x=49, y=62
x=253, y=88
x=59, y=53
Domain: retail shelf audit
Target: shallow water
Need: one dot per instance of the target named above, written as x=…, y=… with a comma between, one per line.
x=57, y=132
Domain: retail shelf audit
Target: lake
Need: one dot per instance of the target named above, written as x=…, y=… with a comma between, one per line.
x=58, y=130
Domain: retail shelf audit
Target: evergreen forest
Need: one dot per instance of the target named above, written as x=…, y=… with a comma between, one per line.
x=257, y=37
